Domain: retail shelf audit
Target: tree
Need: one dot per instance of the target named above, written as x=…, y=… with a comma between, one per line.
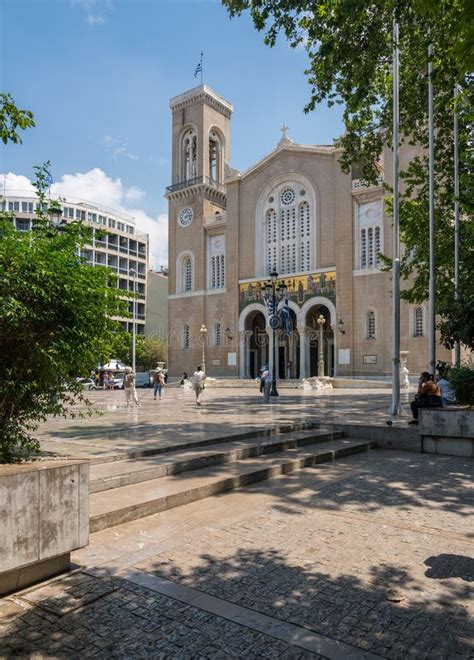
x=12, y=119
x=55, y=313
x=349, y=44
x=148, y=351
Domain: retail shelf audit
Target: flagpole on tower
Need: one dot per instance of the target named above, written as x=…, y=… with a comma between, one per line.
x=202, y=54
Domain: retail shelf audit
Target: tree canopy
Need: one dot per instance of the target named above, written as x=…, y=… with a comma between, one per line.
x=55, y=313
x=12, y=119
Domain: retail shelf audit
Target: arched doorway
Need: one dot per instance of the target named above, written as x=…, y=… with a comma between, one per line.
x=289, y=350
x=257, y=343
x=313, y=338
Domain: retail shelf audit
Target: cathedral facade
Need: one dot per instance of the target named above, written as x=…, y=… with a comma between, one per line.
x=294, y=213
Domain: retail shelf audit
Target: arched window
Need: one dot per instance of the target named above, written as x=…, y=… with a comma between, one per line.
x=418, y=329
x=288, y=231
x=187, y=275
x=215, y=156
x=216, y=262
x=189, y=155
x=369, y=218
x=217, y=334
x=363, y=248
x=371, y=324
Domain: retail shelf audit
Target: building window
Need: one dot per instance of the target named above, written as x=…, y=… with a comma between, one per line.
x=22, y=225
x=370, y=234
x=418, y=322
x=216, y=278
x=217, y=334
x=371, y=325
x=288, y=234
x=187, y=275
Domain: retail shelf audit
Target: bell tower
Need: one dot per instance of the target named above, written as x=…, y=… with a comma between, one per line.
x=196, y=219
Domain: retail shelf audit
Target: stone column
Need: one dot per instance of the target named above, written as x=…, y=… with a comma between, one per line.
x=302, y=335
x=270, y=351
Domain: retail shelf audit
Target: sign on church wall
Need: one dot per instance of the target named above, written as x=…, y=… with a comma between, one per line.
x=300, y=288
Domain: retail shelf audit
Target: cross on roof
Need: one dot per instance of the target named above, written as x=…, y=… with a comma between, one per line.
x=284, y=131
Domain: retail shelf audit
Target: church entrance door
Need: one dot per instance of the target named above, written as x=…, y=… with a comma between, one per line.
x=257, y=345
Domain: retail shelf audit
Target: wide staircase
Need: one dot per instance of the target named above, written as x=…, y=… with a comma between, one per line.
x=165, y=478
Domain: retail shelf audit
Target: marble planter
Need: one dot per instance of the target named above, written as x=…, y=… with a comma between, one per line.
x=448, y=431
x=44, y=515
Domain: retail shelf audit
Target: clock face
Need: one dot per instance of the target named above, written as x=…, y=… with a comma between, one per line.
x=186, y=217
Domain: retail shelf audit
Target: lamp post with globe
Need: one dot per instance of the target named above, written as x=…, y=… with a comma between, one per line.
x=274, y=292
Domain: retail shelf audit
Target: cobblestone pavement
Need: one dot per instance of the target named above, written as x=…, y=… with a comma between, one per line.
x=128, y=621
x=224, y=411
x=373, y=551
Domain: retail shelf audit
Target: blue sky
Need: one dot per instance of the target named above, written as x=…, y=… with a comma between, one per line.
x=98, y=75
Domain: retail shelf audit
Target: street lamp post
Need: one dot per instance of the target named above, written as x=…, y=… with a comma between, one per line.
x=203, y=332
x=321, y=321
x=273, y=294
x=133, y=274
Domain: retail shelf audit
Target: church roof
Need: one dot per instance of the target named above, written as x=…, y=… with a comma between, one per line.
x=285, y=144
x=202, y=93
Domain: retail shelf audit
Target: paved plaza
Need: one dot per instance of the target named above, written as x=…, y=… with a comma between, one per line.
x=225, y=411
x=368, y=556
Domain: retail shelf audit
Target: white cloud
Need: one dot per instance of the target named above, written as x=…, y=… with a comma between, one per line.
x=94, y=10
x=16, y=183
x=117, y=147
x=157, y=229
x=134, y=193
x=96, y=186
x=94, y=20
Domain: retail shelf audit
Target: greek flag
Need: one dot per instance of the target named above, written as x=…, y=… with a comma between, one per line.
x=285, y=317
x=198, y=67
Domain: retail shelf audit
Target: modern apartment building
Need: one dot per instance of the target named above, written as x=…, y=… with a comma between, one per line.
x=121, y=247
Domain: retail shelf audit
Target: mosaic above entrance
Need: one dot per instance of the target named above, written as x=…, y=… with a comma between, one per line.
x=300, y=288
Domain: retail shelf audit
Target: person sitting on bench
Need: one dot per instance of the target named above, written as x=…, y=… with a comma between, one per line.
x=428, y=396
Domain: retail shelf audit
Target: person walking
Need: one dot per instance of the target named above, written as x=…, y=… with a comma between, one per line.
x=129, y=386
x=198, y=383
x=158, y=382
x=265, y=383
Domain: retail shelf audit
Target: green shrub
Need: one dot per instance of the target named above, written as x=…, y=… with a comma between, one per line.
x=462, y=382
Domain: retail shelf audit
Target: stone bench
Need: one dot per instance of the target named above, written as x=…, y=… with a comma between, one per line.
x=448, y=431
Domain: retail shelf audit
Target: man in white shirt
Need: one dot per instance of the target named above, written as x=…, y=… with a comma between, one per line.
x=198, y=383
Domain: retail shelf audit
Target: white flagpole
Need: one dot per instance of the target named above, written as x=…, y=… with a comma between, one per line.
x=457, y=346
x=201, y=66
x=432, y=280
x=395, y=407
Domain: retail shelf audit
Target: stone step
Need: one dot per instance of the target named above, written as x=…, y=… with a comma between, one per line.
x=114, y=507
x=123, y=473
x=173, y=444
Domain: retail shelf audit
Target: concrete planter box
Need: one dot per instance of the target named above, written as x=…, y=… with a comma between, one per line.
x=447, y=431
x=44, y=514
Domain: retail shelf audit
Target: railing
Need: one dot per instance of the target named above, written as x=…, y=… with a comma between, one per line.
x=357, y=184
x=218, y=218
x=197, y=180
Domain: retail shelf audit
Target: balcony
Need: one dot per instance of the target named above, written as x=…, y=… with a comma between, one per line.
x=196, y=181
x=215, y=220
x=360, y=184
